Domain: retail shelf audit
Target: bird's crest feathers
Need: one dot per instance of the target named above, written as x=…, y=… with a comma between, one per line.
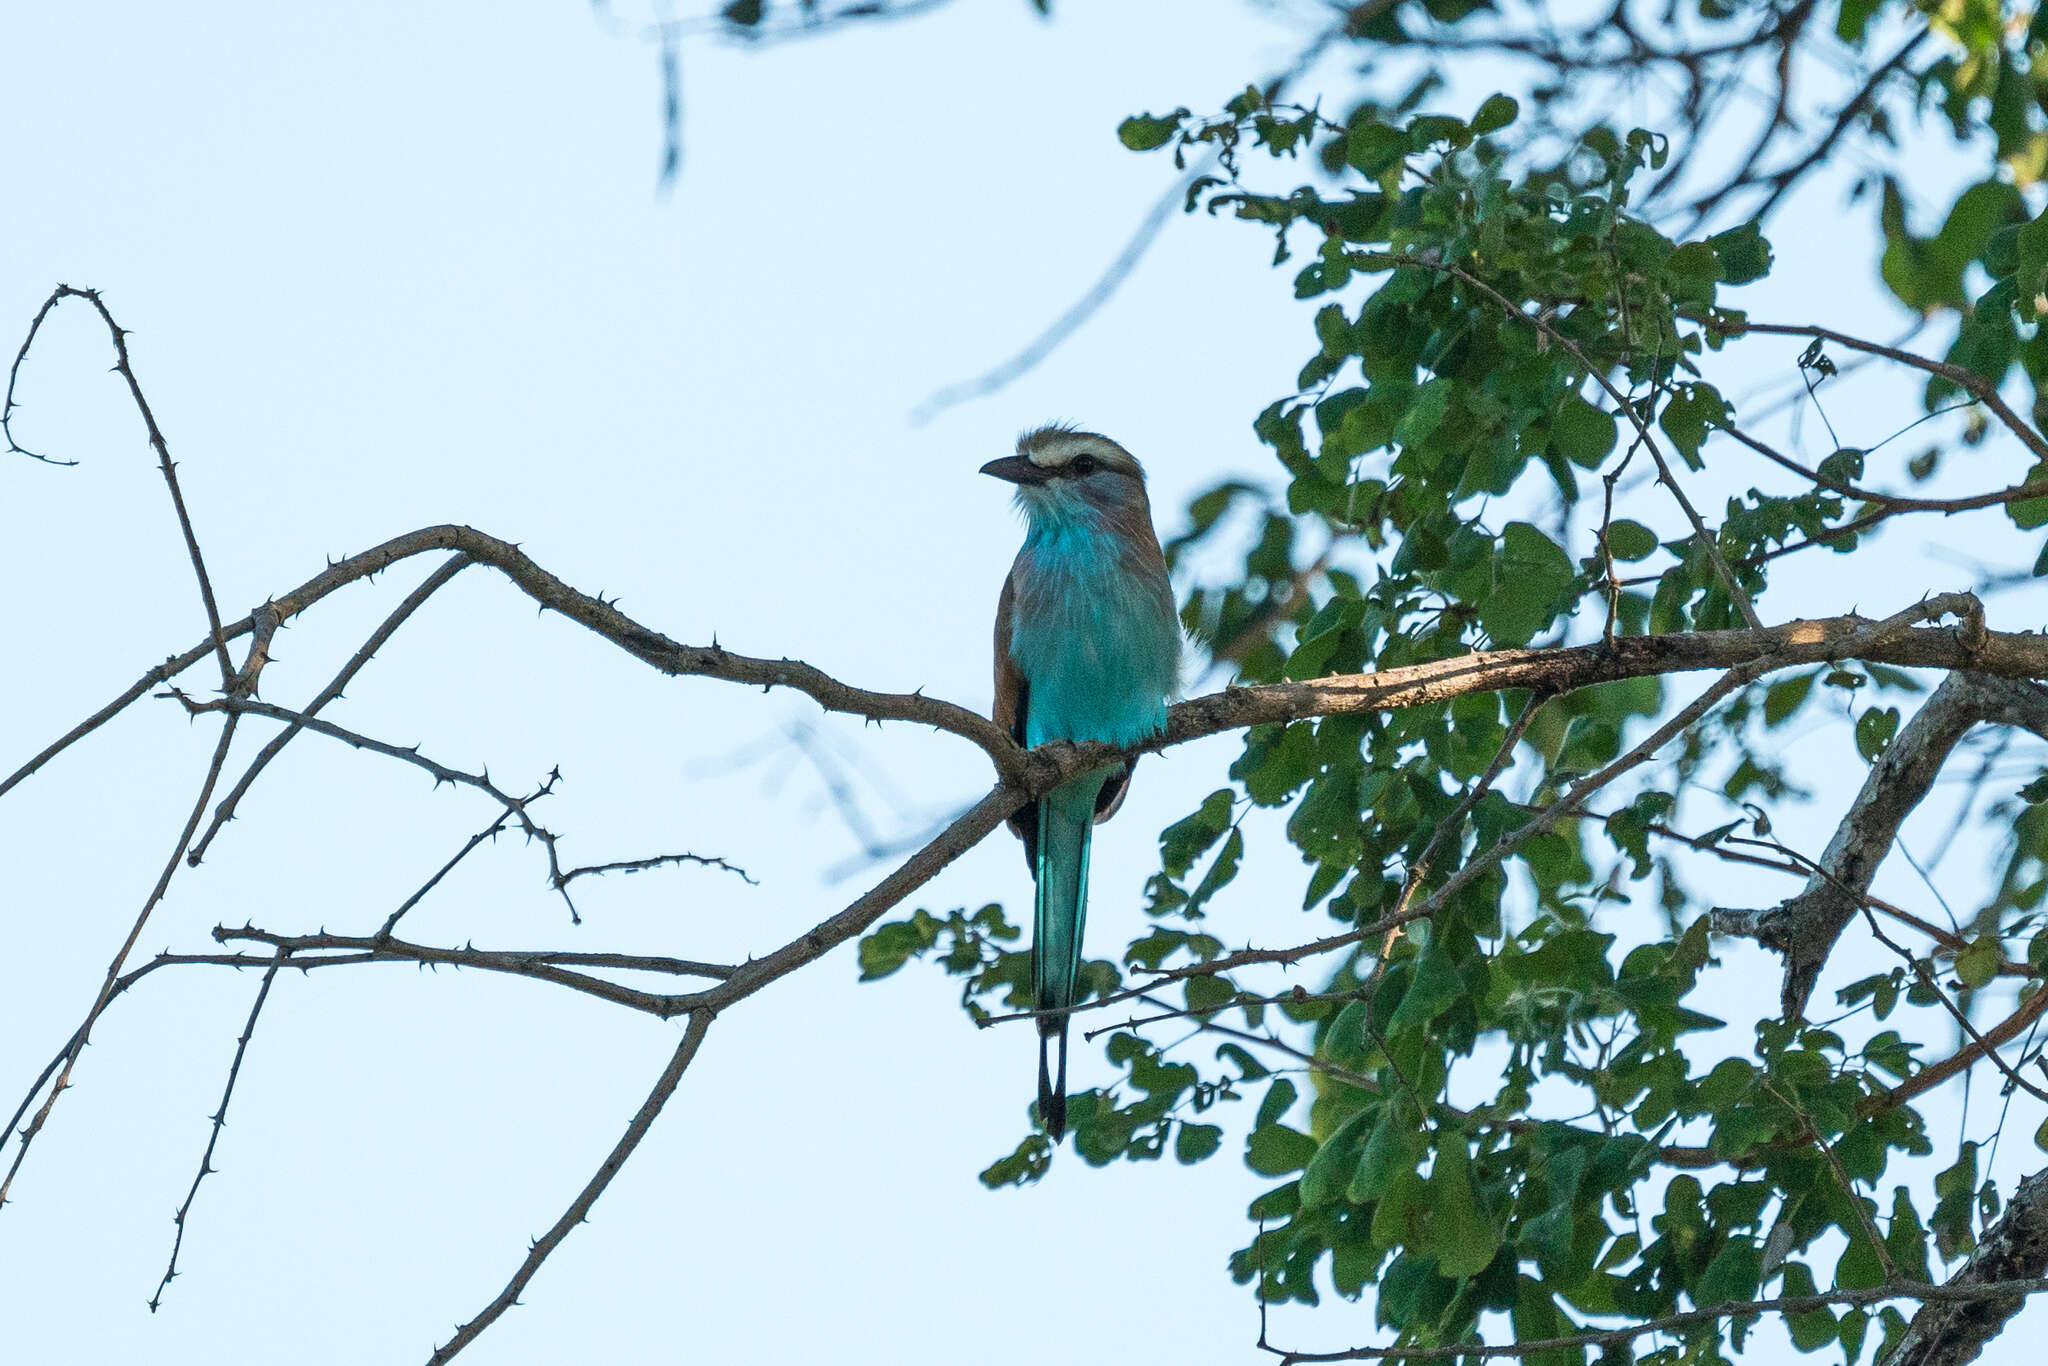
x=1058, y=444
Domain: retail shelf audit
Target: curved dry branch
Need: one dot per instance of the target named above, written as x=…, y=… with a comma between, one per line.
x=546, y=965
x=1893, y=503
x=225, y=812
x=579, y=1208
x=68, y=1058
x=126, y=371
x=219, y=1121
x=1803, y=929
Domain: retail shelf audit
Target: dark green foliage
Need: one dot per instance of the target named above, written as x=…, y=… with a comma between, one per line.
x=1499, y=335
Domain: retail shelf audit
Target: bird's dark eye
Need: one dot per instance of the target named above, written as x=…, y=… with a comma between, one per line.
x=1085, y=465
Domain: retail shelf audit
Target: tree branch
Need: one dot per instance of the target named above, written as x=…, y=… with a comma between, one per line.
x=225, y=812
x=1803, y=929
x=220, y=1119
x=2013, y=1291
x=1969, y=381
x=1953, y=1332
x=579, y=1208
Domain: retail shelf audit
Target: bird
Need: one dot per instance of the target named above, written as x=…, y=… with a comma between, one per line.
x=1087, y=647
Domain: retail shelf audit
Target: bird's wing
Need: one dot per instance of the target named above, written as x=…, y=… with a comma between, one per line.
x=1012, y=700
x=1112, y=794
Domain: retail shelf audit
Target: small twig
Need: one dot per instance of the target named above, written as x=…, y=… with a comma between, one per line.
x=542, y=965
x=225, y=812
x=488, y=832
x=220, y=1118
x=1812, y=1131
x=579, y=1208
x=1969, y=381
x=638, y=865
x=1960, y=1016
x=126, y=370
x=1453, y=825
x=409, y=754
x=83, y=1035
x=1893, y=503
x=1599, y=376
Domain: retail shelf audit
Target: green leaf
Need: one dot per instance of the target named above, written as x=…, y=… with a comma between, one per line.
x=2030, y=514
x=1630, y=541
x=1279, y=1099
x=1277, y=1150
x=1496, y=113
x=1029, y=1162
x=1782, y=698
x=1690, y=414
x=1906, y=1239
x=1193, y=1142
x=1815, y=1329
x=1144, y=132
x=1435, y=985
x=1329, y=1171
x=1425, y=413
x=2032, y=245
x=1186, y=840
x=1874, y=730
x=1464, y=1237
x=1248, y=1067
x=886, y=948
x=1742, y=254
x=1582, y=433
x=1403, y=1218
x=1394, y=1146
x=1428, y=130
x=1531, y=577
x=1219, y=875
x=1978, y=963
x=1206, y=995
x=1372, y=147
x=1345, y=1044
x=1732, y=1276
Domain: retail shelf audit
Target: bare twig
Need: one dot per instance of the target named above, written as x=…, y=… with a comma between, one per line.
x=225, y=812
x=640, y=865
x=1969, y=381
x=122, y=367
x=1803, y=930
x=579, y=1208
x=83, y=1034
x=220, y=1118
x=542, y=965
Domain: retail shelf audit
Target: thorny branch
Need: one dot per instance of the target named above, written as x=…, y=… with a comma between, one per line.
x=220, y=1119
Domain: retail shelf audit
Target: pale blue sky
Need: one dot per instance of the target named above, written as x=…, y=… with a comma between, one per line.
x=386, y=269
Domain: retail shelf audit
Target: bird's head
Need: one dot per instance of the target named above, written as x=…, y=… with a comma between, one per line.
x=1063, y=474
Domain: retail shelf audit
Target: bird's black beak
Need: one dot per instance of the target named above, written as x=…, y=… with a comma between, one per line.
x=1017, y=470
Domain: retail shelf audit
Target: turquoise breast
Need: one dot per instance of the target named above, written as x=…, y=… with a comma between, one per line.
x=1098, y=645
